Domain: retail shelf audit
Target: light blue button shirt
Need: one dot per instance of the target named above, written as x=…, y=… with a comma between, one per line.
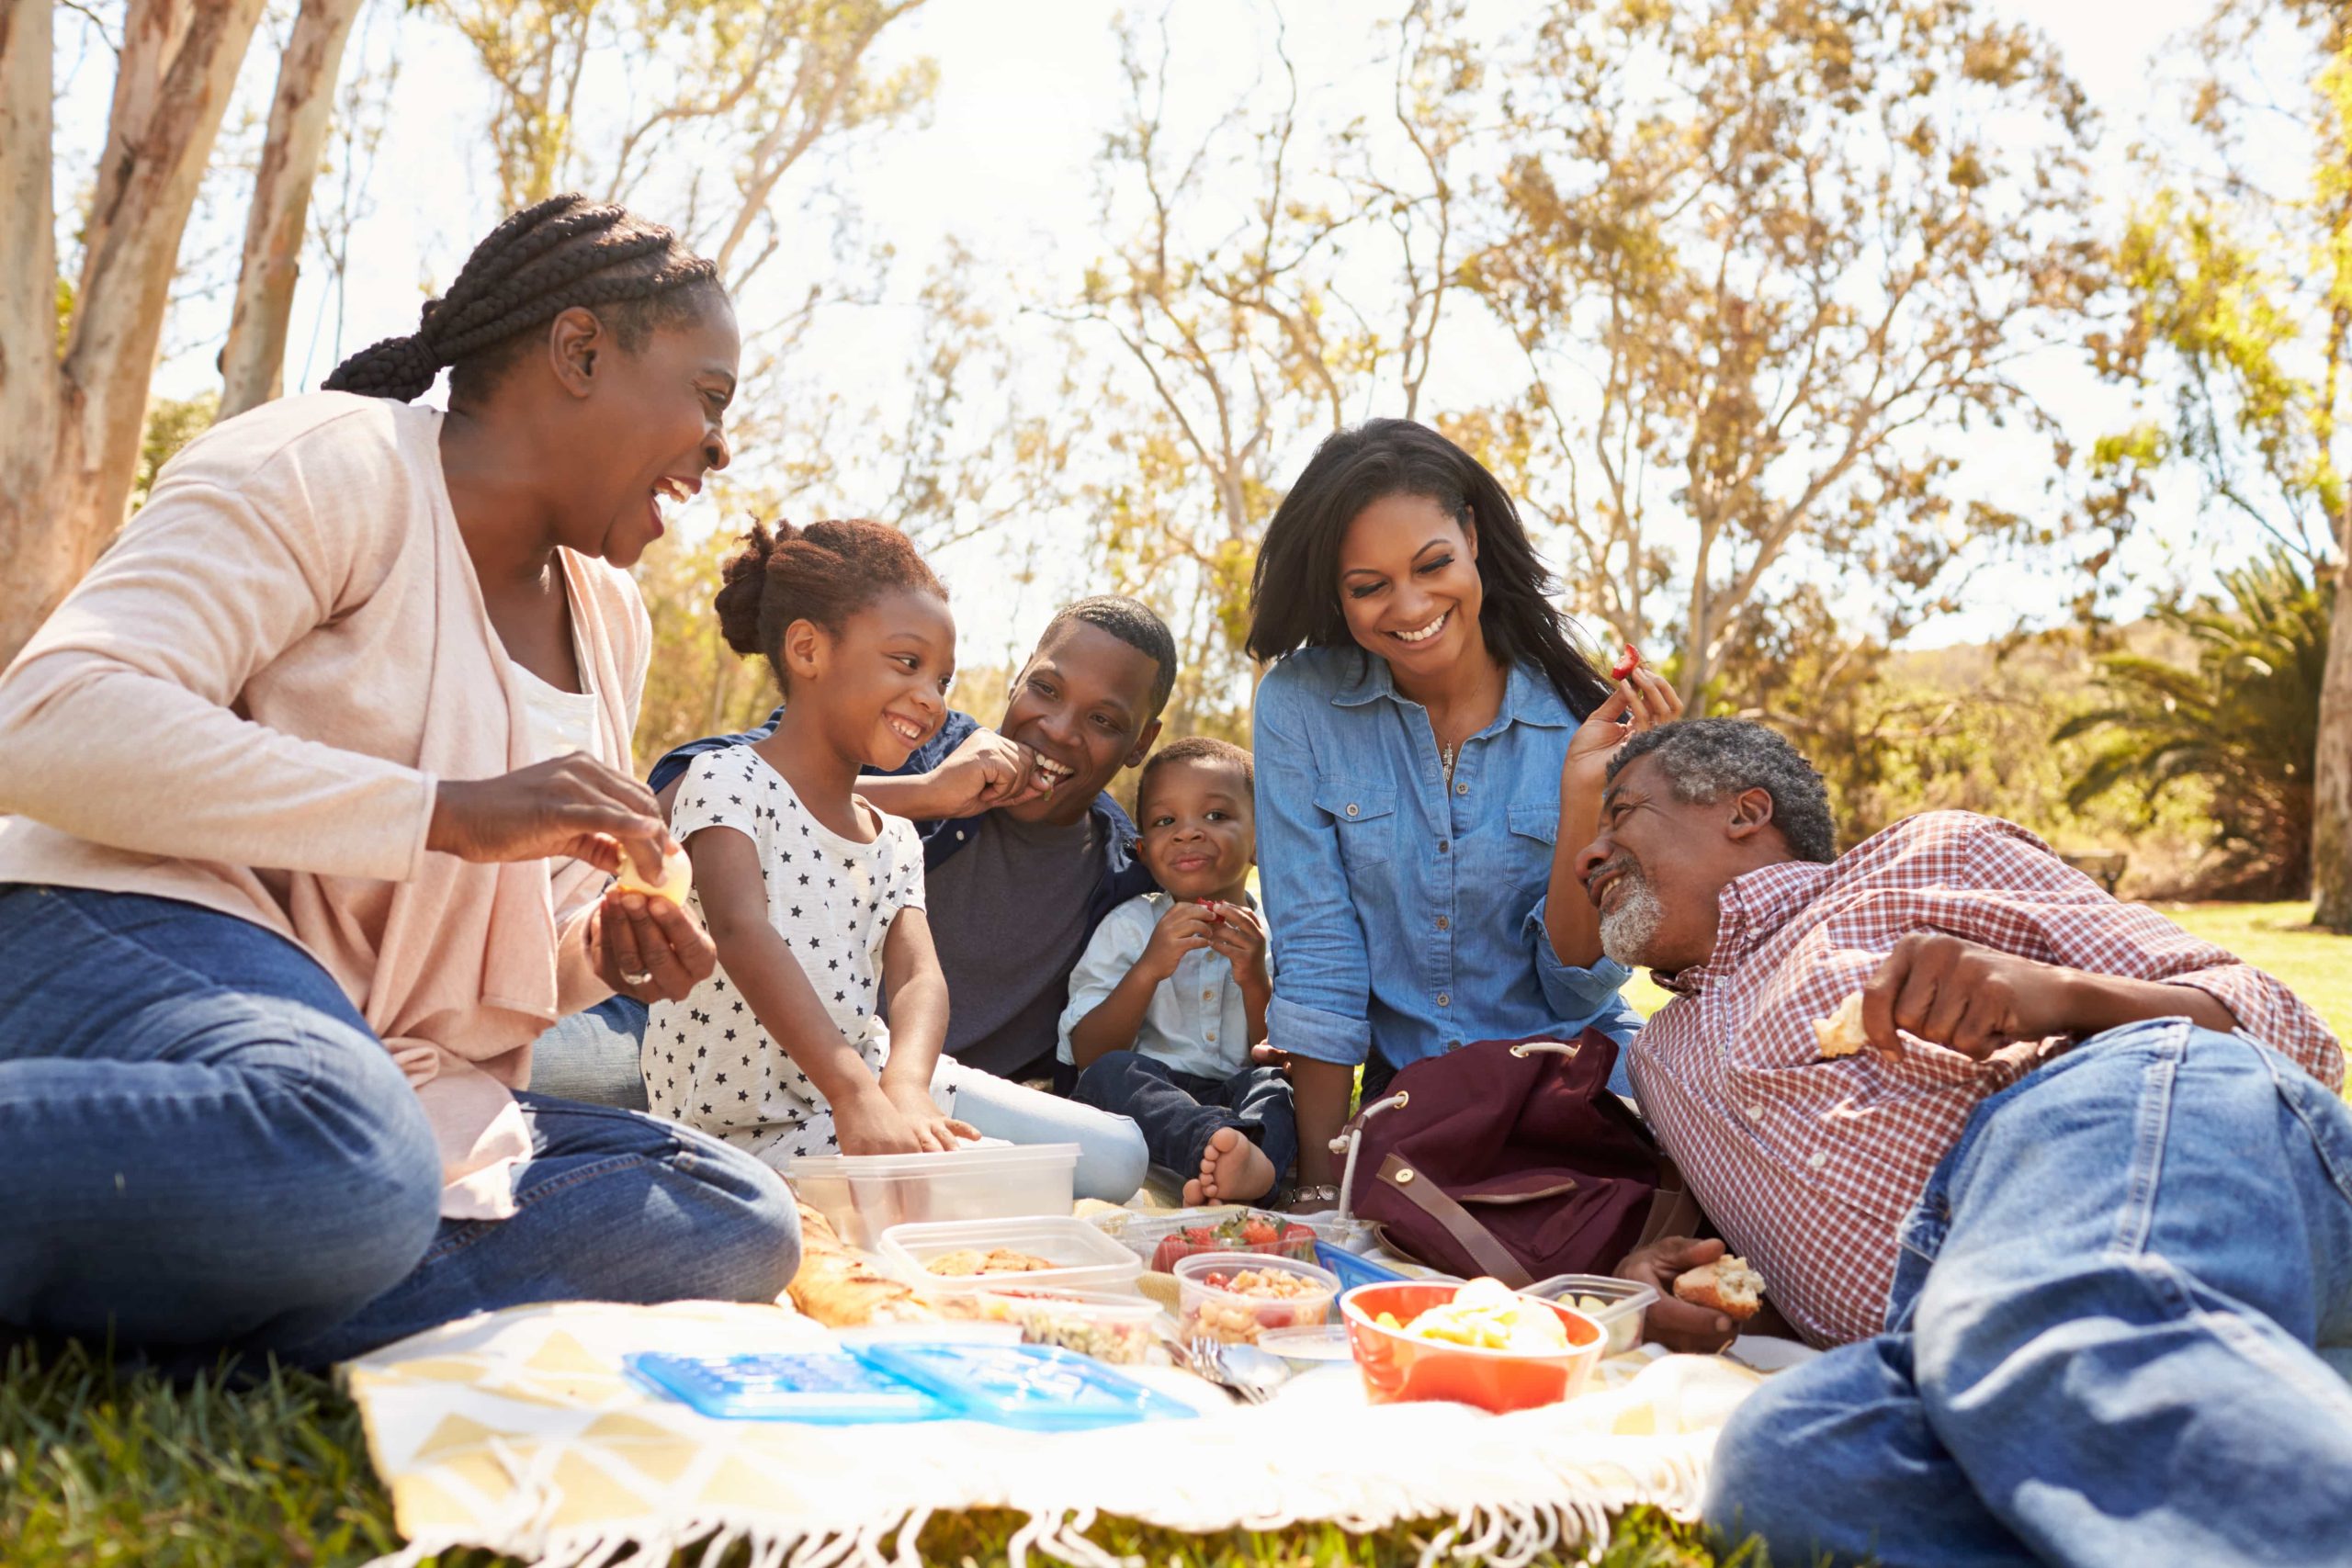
x=1197, y=1022
x=1404, y=910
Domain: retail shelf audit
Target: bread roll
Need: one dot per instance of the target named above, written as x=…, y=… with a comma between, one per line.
x=841, y=1289
x=1840, y=1034
x=1729, y=1285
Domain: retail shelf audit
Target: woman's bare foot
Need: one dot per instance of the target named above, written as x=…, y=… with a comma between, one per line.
x=1233, y=1170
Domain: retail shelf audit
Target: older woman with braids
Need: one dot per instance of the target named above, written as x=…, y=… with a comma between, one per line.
x=316, y=785
x=1430, y=750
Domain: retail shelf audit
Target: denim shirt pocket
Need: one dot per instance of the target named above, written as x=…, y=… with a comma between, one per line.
x=1365, y=816
x=1534, y=833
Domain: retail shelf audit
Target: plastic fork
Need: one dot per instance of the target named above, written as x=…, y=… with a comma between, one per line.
x=1243, y=1368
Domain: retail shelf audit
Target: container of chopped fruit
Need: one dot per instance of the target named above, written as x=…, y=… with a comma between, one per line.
x=1054, y=1251
x=1235, y=1297
x=1118, y=1329
x=1621, y=1306
x=1162, y=1241
x=1480, y=1343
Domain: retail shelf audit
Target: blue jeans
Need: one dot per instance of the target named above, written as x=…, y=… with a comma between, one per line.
x=594, y=1056
x=1180, y=1112
x=2115, y=1334
x=203, y=1145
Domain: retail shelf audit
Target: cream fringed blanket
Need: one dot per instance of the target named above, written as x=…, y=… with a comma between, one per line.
x=516, y=1432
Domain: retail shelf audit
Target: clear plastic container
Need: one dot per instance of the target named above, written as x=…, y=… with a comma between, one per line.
x=1210, y=1302
x=1113, y=1328
x=1076, y=1256
x=865, y=1195
x=1621, y=1306
x=1316, y=1345
x=1147, y=1235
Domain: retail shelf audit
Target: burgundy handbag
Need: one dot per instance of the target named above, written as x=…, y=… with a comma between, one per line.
x=1511, y=1158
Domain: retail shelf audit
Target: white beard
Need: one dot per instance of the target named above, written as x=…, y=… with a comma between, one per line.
x=1631, y=925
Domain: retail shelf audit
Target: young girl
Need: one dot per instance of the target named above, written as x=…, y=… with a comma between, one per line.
x=815, y=899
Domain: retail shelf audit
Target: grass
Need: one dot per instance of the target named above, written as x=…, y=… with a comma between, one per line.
x=101, y=1467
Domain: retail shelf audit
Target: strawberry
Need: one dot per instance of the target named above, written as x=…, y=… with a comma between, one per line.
x=1627, y=662
x=1256, y=1232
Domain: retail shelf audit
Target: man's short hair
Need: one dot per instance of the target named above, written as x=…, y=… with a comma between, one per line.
x=1196, y=749
x=1135, y=624
x=1707, y=759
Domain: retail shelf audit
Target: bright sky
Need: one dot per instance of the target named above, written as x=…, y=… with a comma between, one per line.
x=1004, y=162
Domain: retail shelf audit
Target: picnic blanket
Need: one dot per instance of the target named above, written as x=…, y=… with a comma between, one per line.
x=517, y=1432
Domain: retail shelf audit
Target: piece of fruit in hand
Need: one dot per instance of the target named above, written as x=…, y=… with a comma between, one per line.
x=1216, y=918
x=1627, y=662
x=677, y=877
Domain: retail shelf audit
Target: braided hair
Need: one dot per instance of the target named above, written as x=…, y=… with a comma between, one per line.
x=542, y=261
x=824, y=573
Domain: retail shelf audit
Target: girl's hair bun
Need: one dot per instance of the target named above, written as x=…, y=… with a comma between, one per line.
x=823, y=573
x=742, y=581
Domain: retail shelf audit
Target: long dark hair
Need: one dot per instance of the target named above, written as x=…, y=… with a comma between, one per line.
x=541, y=262
x=1295, y=594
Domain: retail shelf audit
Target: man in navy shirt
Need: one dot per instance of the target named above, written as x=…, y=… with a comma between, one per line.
x=1024, y=852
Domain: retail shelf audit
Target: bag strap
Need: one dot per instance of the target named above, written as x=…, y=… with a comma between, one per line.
x=1673, y=1212
x=1475, y=1239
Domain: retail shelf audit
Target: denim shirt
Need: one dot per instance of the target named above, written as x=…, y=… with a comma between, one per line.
x=1407, y=915
x=1124, y=876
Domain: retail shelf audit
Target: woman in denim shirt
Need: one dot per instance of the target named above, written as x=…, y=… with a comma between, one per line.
x=1429, y=752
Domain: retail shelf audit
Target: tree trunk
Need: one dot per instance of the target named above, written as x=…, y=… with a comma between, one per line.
x=2332, y=781
x=69, y=447
x=253, y=365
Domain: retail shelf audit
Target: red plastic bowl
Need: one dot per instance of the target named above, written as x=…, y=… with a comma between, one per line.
x=1397, y=1366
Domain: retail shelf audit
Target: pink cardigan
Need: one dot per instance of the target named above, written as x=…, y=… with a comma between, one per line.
x=246, y=704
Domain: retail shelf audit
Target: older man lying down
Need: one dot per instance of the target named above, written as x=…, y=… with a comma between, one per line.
x=2076, y=1216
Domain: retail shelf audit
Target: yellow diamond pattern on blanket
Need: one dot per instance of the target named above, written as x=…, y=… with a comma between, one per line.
x=517, y=1432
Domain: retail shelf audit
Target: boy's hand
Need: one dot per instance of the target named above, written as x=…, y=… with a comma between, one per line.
x=1184, y=929
x=1240, y=935
x=934, y=1131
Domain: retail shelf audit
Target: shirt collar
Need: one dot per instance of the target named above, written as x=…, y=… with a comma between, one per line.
x=1749, y=908
x=1528, y=697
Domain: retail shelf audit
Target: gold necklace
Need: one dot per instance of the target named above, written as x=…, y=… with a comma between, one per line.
x=1445, y=755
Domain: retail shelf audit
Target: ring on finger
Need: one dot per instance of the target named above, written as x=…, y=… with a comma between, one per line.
x=638, y=976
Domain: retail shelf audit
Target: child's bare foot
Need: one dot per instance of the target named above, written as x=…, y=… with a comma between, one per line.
x=1233, y=1170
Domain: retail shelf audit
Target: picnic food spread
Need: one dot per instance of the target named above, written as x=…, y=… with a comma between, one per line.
x=1727, y=1285
x=964, y=1263
x=841, y=1289
x=1486, y=1314
x=1235, y=1297
x=1840, y=1034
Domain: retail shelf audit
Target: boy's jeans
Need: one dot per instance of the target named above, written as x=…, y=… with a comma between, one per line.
x=1179, y=1112
x=203, y=1145
x=2109, y=1337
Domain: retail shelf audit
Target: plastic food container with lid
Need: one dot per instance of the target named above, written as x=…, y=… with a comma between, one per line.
x=1398, y=1366
x=865, y=1195
x=1235, y=1297
x=1119, y=1329
x=1621, y=1306
x=1076, y=1256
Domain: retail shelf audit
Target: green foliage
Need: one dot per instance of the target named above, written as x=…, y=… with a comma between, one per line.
x=172, y=424
x=2243, y=720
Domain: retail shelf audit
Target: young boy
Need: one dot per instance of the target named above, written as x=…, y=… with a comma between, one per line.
x=1172, y=989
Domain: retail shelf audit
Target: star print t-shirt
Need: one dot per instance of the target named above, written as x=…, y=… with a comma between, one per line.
x=707, y=1063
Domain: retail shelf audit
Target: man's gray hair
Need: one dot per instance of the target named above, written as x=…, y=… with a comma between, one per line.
x=1707, y=759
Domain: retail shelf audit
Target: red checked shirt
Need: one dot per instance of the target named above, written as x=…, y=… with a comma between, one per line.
x=1810, y=1166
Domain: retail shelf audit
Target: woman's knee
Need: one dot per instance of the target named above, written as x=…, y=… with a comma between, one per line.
x=742, y=1224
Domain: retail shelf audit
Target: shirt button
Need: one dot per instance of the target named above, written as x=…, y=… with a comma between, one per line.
x=1444, y=1000
x=1352, y=808
x=1818, y=1158
x=1755, y=1113
x=1461, y=789
x=1443, y=845
x=1208, y=996
x=1211, y=1034
x=1442, y=923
